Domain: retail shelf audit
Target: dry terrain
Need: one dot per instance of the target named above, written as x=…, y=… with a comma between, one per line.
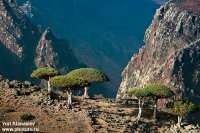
x=99, y=115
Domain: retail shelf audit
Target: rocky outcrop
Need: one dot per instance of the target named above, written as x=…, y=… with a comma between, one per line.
x=171, y=54
x=24, y=46
x=54, y=52
x=18, y=37
x=100, y=114
x=44, y=52
x=14, y=28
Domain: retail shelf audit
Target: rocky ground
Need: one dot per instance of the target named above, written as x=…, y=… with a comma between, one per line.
x=88, y=115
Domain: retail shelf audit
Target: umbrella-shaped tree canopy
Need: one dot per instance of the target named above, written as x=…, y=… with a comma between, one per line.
x=90, y=74
x=68, y=82
x=159, y=91
x=142, y=94
x=45, y=73
x=139, y=92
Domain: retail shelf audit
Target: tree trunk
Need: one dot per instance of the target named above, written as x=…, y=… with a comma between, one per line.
x=179, y=121
x=49, y=86
x=140, y=110
x=86, y=91
x=155, y=109
x=69, y=97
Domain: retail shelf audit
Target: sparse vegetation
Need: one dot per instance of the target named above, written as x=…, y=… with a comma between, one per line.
x=69, y=84
x=38, y=102
x=27, y=117
x=142, y=95
x=96, y=109
x=9, y=110
x=91, y=75
x=158, y=91
x=58, y=95
x=181, y=108
x=45, y=73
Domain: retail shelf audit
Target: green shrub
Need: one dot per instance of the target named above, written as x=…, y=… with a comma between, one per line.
x=8, y=110
x=22, y=92
x=182, y=107
x=27, y=117
x=38, y=102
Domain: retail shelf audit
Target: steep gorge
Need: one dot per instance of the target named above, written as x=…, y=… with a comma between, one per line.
x=171, y=54
x=24, y=46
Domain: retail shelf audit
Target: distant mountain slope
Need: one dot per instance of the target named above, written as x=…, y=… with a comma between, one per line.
x=24, y=46
x=18, y=37
x=104, y=34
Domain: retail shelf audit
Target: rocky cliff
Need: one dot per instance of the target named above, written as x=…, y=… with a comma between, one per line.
x=24, y=46
x=54, y=52
x=171, y=54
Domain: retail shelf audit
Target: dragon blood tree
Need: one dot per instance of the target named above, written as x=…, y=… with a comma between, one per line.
x=68, y=84
x=91, y=75
x=142, y=95
x=158, y=91
x=181, y=108
x=45, y=73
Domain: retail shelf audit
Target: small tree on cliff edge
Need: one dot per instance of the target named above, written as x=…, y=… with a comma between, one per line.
x=142, y=96
x=158, y=91
x=91, y=75
x=180, y=108
x=45, y=73
x=69, y=84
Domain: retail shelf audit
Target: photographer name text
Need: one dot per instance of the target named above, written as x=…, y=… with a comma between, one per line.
x=18, y=123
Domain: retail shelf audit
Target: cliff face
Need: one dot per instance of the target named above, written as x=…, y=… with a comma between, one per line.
x=13, y=26
x=54, y=52
x=171, y=54
x=18, y=37
x=24, y=46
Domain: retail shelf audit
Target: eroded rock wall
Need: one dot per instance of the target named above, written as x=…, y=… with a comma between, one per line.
x=25, y=46
x=170, y=54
